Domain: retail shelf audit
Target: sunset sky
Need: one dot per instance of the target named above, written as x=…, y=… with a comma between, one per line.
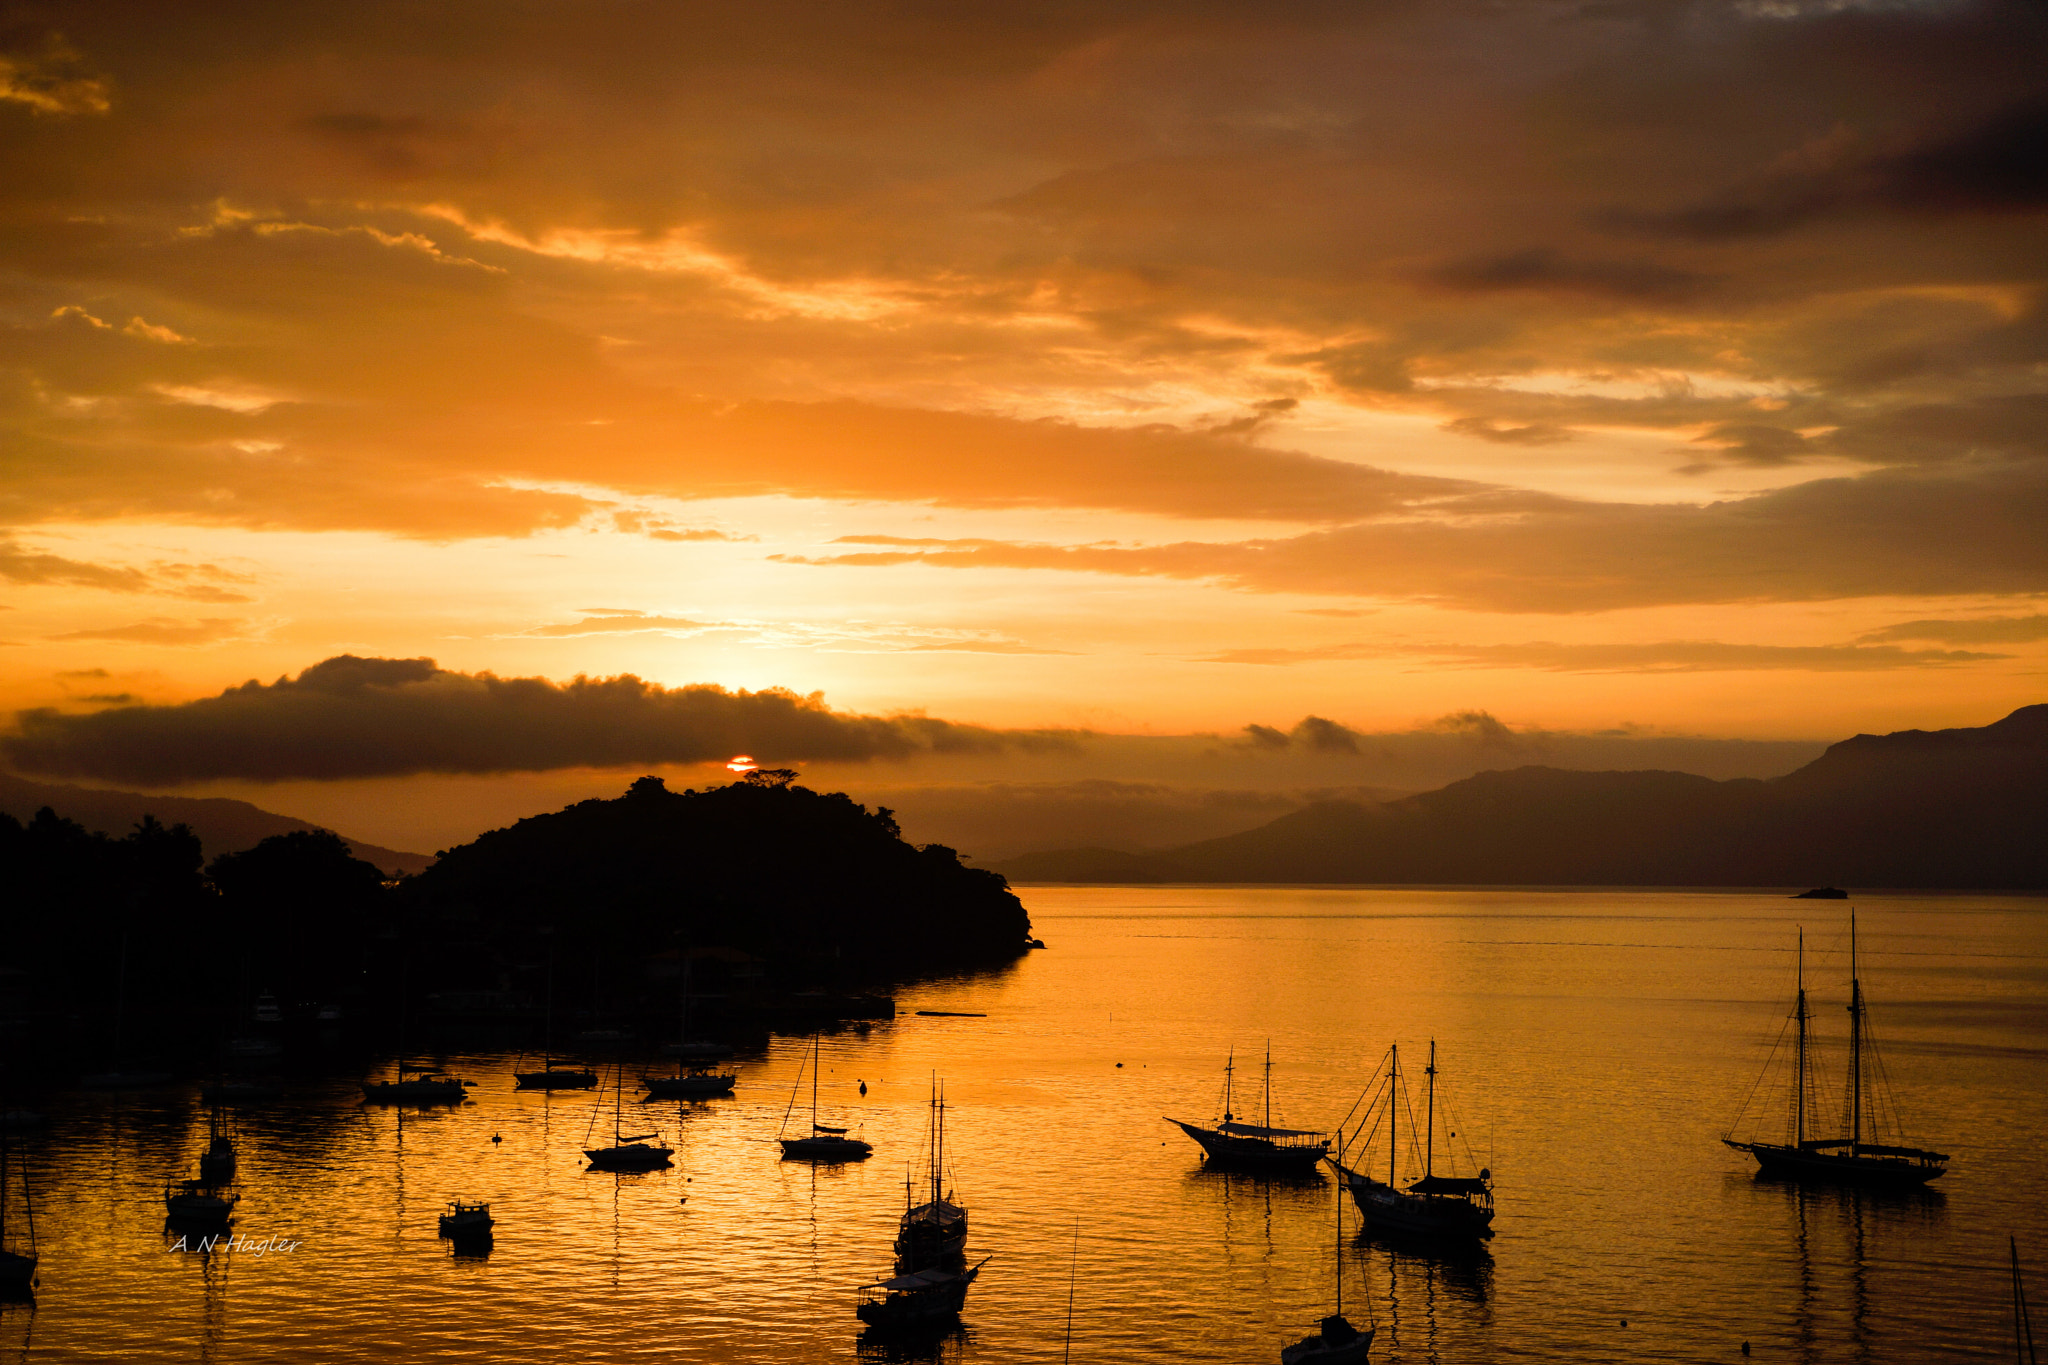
x=1639, y=369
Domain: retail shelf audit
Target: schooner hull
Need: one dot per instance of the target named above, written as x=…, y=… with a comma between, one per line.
x=1437, y=1216
x=1255, y=1154
x=1861, y=1168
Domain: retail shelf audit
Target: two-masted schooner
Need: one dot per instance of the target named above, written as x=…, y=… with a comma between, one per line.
x=1436, y=1206
x=933, y=1233
x=1257, y=1146
x=1845, y=1157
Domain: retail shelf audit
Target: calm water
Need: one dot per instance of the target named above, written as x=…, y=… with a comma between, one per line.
x=1595, y=1044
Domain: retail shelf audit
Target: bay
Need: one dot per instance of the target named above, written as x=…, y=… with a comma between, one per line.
x=1594, y=1046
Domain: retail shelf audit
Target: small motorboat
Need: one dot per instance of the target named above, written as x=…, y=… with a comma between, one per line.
x=466, y=1220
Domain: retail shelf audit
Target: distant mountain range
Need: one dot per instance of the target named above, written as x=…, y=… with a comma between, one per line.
x=1963, y=808
x=223, y=826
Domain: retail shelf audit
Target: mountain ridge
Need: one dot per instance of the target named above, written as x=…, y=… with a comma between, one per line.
x=1950, y=808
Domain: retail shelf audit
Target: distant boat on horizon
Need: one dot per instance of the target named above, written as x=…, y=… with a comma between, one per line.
x=1449, y=1207
x=1257, y=1146
x=1849, y=1158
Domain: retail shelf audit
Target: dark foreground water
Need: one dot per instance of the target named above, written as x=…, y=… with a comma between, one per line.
x=1596, y=1044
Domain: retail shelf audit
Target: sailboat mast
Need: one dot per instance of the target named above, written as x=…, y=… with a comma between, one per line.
x=1799, y=1070
x=1229, y=1070
x=817, y=1059
x=1339, y=1201
x=1429, y=1140
x=939, y=1147
x=1393, y=1106
x=1269, y=1083
x=2022, y=1327
x=1855, y=1044
x=547, y=1028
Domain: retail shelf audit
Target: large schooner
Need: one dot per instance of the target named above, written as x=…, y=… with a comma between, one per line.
x=933, y=1233
x=1842, y=1158
x=1437, y=1206
x=1257, y=1146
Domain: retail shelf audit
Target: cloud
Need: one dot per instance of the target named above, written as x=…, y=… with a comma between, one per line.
x=195, y=582
x=48, y=76
x=1666, y=656
x=1995, y=165
x=1540, y=269
x=1982, y=630
x=1487, y=429
x=164, y=631
x=363, y=717
x=1884, y=534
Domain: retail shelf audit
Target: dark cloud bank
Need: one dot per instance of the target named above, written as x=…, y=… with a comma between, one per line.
x=356, y=717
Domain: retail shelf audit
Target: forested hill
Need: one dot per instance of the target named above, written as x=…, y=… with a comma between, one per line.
x=1951, y=808
x=761, y=865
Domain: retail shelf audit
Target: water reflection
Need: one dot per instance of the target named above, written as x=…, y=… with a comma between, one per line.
x=913, y=1348
x=739, y=1256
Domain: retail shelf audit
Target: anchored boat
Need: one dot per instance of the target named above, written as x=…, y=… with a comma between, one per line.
x=417, y=1084
x=466, y=1220
x=17, y=1266
x=1257, y=1146
x=933, y=1233
x=1449, y=1207
x=629, y=1151
x=921, y=1299
x=1849, y=1158
x=825, y=1143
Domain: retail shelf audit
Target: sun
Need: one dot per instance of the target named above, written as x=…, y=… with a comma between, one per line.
x=742, y=763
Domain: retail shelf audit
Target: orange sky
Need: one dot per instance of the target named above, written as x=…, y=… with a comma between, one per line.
x=1676, y=367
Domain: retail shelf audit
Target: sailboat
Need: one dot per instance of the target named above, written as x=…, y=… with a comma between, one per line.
x=695, y=1081
x=217, y=1162
x=2022, y=1325
x=1438, y=1206
x=1848, y=1158
x=694, y=1049
x=824, y=1143
x=933, y=1233
x=553, y=1075
x=1257, y=1146
x=1336, y=1341
x=17, y=1268
x=198, y=1202
x=628, y=1152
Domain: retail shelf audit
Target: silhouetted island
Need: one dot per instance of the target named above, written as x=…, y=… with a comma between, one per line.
x=1957, y=808
x=761, y=865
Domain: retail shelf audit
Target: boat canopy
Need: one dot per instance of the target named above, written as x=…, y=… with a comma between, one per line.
x=637, y=1137
x=938, y=1211
x=1449, y=1184
x=824, y=1128
x=1236, y=1129
x=916, y=1279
